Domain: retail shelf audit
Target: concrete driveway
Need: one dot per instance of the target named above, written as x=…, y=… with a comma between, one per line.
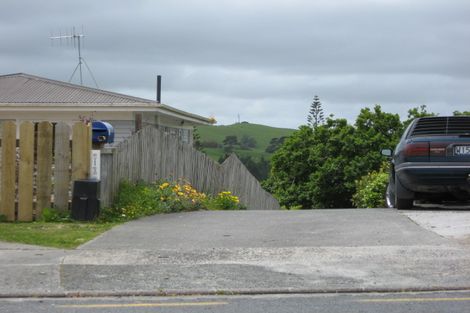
x=258, y=252
x=267, y=229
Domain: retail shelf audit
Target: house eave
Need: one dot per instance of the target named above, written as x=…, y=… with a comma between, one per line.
x=106, y=107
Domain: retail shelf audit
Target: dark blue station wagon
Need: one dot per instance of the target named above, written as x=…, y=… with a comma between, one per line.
x=431, y=162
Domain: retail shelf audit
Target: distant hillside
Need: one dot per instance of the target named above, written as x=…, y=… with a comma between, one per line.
x=262, y=134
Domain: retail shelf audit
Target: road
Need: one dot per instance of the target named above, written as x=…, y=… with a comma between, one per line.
x=438, y=302
x=232, y=252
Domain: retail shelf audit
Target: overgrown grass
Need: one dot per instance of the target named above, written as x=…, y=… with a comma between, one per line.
x=58, y=235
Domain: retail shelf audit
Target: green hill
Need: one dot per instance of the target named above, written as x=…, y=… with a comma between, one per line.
x=262, y=134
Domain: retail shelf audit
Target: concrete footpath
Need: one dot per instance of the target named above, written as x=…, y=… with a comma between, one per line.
x=250, y=252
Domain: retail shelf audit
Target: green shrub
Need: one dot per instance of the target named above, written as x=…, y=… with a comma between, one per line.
x=137, y=200
x=370, y=189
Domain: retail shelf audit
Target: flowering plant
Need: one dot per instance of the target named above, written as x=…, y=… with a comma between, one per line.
x=136, y=200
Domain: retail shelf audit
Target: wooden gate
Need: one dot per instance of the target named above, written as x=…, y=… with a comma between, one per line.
x=36, y=171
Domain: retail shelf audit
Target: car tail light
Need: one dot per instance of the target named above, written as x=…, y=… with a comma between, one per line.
x=417, y=149
x=438, y=149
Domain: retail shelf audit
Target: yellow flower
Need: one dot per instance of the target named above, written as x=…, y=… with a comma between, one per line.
x=180, y=193
x=164, y=185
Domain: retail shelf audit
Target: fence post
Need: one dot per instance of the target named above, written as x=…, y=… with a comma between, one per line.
x=44, y=178
x=7, y=206
x=25, y=179
x=107, y=177
x=81, y=147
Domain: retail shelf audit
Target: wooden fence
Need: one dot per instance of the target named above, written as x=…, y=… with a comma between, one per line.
x=152, y=154
x=36, y=171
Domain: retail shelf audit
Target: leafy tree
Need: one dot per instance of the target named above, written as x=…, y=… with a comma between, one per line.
x=290, y=169
x=228, y=150
x=459, y=113
x=318, y=167
x=258, y=168
x=247, y=142
x=315, y=116
x=421, y=111
x=230, y=140
x=275, y=144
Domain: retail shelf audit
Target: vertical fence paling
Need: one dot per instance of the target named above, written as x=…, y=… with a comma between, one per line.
x=62, y=158
x=53, y=166
x=8, y=170
x=25, y=179
x=153, y=154
x=44, y=163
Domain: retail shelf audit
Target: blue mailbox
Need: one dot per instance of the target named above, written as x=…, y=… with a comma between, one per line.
x=103, y=132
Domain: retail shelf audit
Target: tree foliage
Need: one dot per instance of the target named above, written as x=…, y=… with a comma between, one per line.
x=370, y=189
x=421, y=111
x=461, y=113
x=315, y=116
x=197, y=140
x=318, y=168
x=230, y=140
x=247, y=142
x=275, y=144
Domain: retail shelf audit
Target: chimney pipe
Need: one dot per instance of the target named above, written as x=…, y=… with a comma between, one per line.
x=159, y=88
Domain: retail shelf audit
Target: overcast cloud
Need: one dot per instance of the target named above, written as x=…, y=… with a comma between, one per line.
x=262, y=59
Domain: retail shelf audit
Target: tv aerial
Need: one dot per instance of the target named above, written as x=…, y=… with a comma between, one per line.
x=77, y=40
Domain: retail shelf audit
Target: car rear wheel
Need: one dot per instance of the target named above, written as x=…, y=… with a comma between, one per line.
x=403, y=204
x=403, y=197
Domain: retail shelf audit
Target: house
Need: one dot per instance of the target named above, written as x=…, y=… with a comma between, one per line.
x=25, y=97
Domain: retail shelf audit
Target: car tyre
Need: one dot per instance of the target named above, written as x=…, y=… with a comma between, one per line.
x=403, y=204
x=403, y=198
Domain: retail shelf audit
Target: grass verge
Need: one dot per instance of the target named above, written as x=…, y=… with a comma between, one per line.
x=57, y=235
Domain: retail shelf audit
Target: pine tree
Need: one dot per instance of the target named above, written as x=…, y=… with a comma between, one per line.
x=315, y=116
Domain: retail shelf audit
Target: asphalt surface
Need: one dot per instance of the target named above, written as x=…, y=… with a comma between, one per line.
x=366, y=303
x=245, y=252
x=249, y=229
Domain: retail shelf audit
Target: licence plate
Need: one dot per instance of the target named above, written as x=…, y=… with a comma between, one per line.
x=462, y=150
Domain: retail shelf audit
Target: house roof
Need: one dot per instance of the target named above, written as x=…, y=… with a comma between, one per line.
x=24, y=90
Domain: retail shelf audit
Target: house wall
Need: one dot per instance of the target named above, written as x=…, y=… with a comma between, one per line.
x=123, y=122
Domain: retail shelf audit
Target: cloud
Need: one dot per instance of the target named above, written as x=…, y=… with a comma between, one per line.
x=262, y=59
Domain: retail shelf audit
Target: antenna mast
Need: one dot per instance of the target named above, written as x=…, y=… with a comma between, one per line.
x=77, y=39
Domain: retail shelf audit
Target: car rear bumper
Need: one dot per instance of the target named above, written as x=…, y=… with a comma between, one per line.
x=434, y=176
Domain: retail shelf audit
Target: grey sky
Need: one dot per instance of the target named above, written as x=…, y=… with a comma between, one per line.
x=262, y=59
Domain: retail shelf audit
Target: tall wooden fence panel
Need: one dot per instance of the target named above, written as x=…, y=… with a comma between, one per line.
x=243, y=184
x=35, y=171
x=152, y=154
